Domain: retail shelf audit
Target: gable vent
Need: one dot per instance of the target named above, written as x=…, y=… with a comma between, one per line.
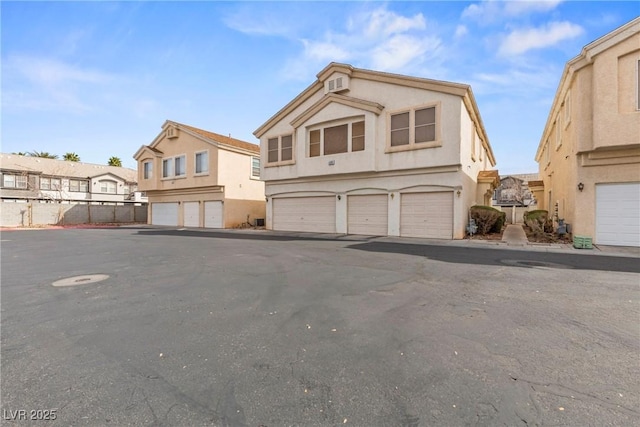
x=337, y=84
x=172, y=133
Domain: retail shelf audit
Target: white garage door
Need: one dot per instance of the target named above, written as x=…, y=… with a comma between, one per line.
x=213, y=215
x=367, y=215
x=315, y=214
x=618, y=214
x=427, y=215
x=164, y=214
x=191, y=214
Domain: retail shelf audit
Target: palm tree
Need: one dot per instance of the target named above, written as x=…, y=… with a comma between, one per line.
x=115, y=161
x=71, y=157
x=43, y=154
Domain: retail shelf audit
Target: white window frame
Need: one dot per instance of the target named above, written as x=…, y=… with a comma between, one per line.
x=412, y=128
x=183, y=173
x=253, y=167
x=473, y=142
x=147, y=169
x=195, y=163
x=172, y=162
x=322, y=126
x=81, y=188
x=106, y=183
x=280, y=162
x=638, y=85
x=56, y=184
x=45, y=183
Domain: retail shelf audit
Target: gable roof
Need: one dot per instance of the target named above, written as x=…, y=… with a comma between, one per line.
x=458, y=89
x=54, y=167
x=204, y=135
x=586, y=57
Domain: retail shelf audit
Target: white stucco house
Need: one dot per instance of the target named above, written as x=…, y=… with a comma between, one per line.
x=367, y=152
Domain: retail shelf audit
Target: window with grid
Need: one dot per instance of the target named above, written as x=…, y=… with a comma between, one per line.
x=108, y=186
x=45, y=183
x=255, y=167
x=413, y=127
x=337, y=139
x=280, y=149
x=78, y=185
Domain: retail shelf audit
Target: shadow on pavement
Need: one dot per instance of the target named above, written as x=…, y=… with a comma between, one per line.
x=451, y=254
x=501, y=257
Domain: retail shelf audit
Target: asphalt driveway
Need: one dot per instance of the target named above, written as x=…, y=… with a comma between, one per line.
x=229, y=328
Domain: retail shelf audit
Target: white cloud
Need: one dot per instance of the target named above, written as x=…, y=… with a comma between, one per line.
x=378, y=38
x=400, y=50
x=47, y=84
x=382, y=23
x=324, y=51
x=523, y=40
x=491, y=10
x=461, y=31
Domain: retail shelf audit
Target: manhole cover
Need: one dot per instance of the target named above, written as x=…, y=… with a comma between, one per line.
x=80, y=280
x=533, y=264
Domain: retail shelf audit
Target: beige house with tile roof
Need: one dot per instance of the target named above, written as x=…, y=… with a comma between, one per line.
x=589, y=152
x=36, y=178
x=366, y=152
x=196, y=178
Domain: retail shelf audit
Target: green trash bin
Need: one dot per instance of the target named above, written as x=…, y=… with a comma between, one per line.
x=582, y=242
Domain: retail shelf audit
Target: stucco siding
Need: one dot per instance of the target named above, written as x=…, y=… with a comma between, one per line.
x=234, y=171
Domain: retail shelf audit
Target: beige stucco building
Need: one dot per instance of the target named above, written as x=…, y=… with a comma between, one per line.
x=196, y=178
x=366, y=152
x=589, y=153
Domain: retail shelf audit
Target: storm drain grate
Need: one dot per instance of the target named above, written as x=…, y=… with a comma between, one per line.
x=80, y=280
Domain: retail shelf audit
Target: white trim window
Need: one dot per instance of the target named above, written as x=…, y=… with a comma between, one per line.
x=108, y=186
x=339, y=138
x=280, y=149
x=174, y=167
x=416, y=128
x=147, y=170
x=45, y=183
x=78, y=185
x=14, y=181
x=255, y=167
x=202, y=162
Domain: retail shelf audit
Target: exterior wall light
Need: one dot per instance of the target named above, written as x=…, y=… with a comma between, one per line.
x=339, y=197
x=581, y=186
x=458, y=193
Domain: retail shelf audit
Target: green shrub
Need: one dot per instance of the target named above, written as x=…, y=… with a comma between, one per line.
x=486, y=218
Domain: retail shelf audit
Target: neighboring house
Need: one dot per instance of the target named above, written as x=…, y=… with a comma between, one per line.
x=589, y=153
x=196, y=178
x=26, y=178
x=366, y=152
x=514, y=191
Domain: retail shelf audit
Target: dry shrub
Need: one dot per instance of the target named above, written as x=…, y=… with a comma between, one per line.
x=487, y=218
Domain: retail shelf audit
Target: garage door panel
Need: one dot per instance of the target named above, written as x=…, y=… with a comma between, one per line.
x=191, y=214
x=367, y=214
x=618, y=214
x=164, y=214
x=428, y=215
x=313, y=214
x=213, y=213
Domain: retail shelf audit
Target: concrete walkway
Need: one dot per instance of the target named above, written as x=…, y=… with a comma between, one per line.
x=514, y=235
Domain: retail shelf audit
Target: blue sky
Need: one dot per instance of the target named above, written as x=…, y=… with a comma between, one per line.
x=100, y=78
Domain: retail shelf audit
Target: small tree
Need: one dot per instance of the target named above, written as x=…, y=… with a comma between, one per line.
x=43, y=154
x=115, y=161
x=71, y=157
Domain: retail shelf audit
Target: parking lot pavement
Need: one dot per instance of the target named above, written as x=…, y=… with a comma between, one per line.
x=223, y=328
